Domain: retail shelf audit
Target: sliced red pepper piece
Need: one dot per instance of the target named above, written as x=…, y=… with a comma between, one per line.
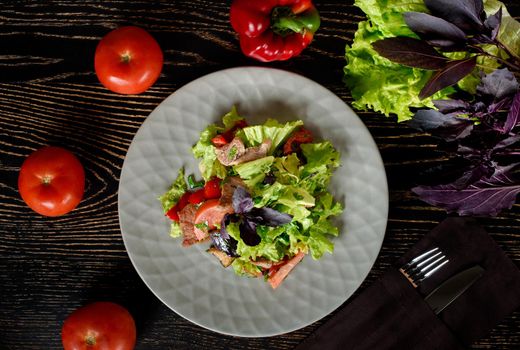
x=196, y=197
x=173, y=213
x=184, y=200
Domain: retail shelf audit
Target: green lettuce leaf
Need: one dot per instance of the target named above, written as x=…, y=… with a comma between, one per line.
x=270, y=247
x=271, y=129
x=254, y=171
x=296, y=200
x=322, y=159
x=286, y=169
x=319, y=155
x=322, y=227
x=244, y=267
x=175, y=230
x=230, y=118
x=266, y=195
x=387, y=15
x=174, y=193
x=204, y=150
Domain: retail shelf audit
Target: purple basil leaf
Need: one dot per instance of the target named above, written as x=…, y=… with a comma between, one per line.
x=269, y=179
x=479, y=9
x=498, y=84
x=480, y=39
x=222, y=240
x=465, y=14
x=468, y=152
x=435, y=30
x=498, y=105
x=493, y=23
x=269, y=217
x=242, y=201
x=410, y=52
x=248, y=233
x=476, y=173
x=506, y=142
x=447, y=127
x=483, y=142
x=451, y=106
x=449, y=75
x=487, y=196
x=513, y=117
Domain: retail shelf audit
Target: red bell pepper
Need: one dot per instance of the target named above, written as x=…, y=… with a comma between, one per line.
x=274, y=30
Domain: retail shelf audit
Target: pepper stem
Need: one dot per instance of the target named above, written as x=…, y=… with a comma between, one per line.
x=284, y=21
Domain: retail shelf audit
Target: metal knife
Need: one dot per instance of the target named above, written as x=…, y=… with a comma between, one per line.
x=452, y=288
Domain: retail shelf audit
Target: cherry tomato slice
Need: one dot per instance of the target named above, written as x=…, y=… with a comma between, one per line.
x=210, y=213
x=212, y=189
x=219, y=140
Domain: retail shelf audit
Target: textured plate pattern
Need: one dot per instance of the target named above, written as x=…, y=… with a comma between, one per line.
x=191, y=282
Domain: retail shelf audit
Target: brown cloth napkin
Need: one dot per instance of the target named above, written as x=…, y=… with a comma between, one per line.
x=391, y=314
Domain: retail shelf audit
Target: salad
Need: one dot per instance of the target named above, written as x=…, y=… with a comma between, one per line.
x=263, y=200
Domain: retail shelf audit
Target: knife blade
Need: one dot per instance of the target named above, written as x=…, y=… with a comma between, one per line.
x=452, y=288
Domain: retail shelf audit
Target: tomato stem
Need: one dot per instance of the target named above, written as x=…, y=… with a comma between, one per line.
x=90, y=340
x=46, y=180
x=126, y=57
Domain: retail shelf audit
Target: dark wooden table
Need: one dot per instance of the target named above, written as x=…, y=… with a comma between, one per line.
x=50, y=95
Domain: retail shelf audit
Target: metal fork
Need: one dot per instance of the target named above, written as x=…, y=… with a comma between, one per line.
x=423, y=266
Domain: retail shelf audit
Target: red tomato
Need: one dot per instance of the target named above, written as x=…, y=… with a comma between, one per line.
x=230, y=134
x=128, y=60
x=212, y=189
x=219, y=140
x=293, y=143
x=51, y=181
x=196, y=197
x=211, y=213
x=99, y=326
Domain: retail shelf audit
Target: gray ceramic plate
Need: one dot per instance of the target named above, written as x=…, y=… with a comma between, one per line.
x=192, y=282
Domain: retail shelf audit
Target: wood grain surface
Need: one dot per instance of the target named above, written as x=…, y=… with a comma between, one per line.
x=49, y=94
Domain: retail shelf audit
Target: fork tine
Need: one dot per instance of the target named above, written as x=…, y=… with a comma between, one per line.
x=431, y=272
x=432, y=264
x=424, y=266
x=420, y=257
x=421, y=273
x=429, y=259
